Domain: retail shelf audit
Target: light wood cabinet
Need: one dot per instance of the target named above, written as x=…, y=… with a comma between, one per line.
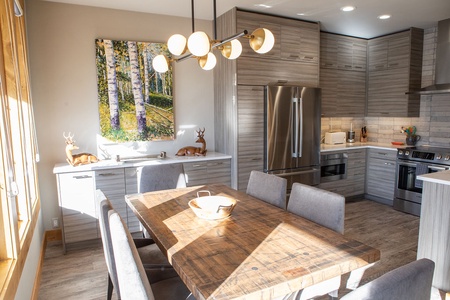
x=342, y=52
x=76, y=193
x=395, y=68
x=343, y=93
x=208, y=172
x=353, y=185
x=343, y=76
x=250, y=132
x=380, y=183
x=294, y=57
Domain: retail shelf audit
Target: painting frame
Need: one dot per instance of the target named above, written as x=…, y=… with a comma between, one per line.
x=135, y=102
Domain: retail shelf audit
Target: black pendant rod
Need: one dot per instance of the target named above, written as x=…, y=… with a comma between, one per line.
x=192, y=12
x=215, y=20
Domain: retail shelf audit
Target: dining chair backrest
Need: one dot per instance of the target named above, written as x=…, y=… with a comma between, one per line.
x=105, y=232
x=317, y=205
x=131, y=275
x=410, y=282
x=267, y=187
x=160, y=177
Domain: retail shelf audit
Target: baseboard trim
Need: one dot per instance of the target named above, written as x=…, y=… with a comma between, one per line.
x=49, y=235
x=53, y=235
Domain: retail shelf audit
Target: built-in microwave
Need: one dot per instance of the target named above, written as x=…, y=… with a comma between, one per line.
x=333, y=166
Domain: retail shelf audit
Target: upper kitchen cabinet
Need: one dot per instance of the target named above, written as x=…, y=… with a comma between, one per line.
x=395, y=67
x=342, y=52
x=295, y=56
x=343, y=75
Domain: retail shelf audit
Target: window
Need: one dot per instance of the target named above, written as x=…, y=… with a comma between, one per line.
x=19, y=194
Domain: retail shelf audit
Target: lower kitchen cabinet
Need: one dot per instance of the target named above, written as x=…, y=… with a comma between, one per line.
x=380, y=183
x=78, y=202
x=353, y=185
x=208, y=172
x=76, y=192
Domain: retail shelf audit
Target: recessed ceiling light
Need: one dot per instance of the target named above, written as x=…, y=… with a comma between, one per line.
x=384, y=17
x=348, y=8
x=300, y=14
x=263, y=6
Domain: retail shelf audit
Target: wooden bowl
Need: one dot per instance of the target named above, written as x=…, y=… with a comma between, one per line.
x=212, y=207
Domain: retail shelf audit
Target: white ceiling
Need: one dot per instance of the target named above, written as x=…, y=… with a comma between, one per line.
x=362, y=22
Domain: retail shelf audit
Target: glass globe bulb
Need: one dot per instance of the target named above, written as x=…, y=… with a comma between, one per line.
x=232, y=49
x=160, y=64
x=262, y=40
x=199, y=43
x=207, y=62
x=177, y=44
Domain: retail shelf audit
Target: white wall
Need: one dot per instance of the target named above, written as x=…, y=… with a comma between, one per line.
x=63, y=77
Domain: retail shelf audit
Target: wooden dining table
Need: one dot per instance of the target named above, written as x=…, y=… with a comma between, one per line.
x=259, y=252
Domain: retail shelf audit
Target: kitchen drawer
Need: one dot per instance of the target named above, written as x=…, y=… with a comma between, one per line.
x=383, y=154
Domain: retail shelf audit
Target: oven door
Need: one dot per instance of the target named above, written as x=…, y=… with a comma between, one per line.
x=408, y=187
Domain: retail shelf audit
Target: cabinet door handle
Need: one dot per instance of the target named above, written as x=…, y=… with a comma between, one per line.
x=106, y=174
x=381, y=153
x=81, y=176
x=257, y=158
x=389, y=164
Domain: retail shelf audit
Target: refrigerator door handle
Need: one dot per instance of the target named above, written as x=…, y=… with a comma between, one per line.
x=295, y=127
x=300, y=127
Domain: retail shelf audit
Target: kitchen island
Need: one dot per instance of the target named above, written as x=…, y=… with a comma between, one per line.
x=434, y=229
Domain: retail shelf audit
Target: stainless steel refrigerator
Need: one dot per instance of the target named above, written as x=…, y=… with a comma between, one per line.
x=292, y=133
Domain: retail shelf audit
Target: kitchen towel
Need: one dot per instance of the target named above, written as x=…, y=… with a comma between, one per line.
x=421, y=169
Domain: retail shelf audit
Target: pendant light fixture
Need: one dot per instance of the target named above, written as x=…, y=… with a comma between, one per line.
x=200, y=46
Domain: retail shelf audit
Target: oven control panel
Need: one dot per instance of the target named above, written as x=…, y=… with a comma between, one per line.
x=425, y=154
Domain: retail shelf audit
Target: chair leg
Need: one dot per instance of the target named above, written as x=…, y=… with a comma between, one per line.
x=110, y=288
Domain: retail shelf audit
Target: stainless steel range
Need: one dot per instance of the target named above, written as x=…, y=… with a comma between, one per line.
x=412, y=162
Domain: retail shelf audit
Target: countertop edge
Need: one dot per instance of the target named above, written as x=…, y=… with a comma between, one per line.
x=438, y=177
x=359, y=145
x=109, y=164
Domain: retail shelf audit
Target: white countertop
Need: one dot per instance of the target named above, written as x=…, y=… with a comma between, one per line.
x=438, y=177
x=359, y=145
x=111, y=164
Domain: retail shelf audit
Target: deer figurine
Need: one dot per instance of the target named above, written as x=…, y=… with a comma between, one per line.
x=77, y=159
x=191, y=150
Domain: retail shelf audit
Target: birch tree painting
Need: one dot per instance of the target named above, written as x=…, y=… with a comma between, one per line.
x=135, y=102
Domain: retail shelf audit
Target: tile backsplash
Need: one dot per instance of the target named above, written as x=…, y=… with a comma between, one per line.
x=433, y=125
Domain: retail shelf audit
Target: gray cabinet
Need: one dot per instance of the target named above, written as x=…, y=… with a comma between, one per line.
x=250, y=132
x=395, y=67
x=353, y=185
x=295, y=56
x=342, y=52
x=208, y=172
x=343, y=75
x=380, y=178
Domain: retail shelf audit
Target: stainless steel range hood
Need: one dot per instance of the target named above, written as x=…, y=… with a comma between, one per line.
x=442, y=65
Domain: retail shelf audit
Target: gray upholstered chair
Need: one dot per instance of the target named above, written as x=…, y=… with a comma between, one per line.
x=409, y=282
x=156, y=264
x=324, y=208
x=160, y=177
x=267, y=187
x=317, y=205
x=131, y=275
